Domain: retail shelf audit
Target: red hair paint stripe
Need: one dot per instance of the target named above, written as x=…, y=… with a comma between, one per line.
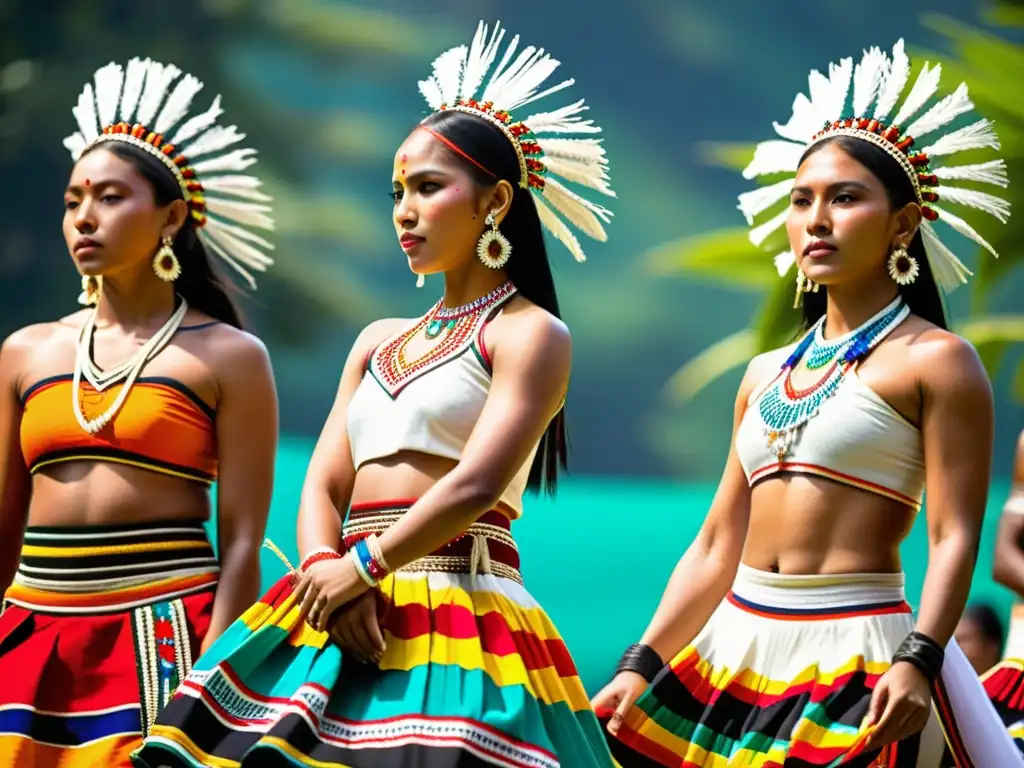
x=452, y=146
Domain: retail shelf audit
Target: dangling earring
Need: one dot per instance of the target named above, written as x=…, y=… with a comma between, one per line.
x=420, y=280
x=165, y=263
x=90, y=290
x=493, y=249
x=803, y=285
x=903, y=268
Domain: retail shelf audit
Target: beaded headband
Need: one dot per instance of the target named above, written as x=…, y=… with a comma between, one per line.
x=125, y=106
x=458, y=74
x=880, y=80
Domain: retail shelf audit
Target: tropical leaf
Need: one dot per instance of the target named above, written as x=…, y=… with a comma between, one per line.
x=732, y=155
x=1005, y=15
x=714, y=362
x=724, y=255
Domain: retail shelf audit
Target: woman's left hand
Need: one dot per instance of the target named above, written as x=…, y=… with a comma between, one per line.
x=900, y=705
x=325, y=587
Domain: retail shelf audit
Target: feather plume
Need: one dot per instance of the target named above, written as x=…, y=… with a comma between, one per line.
x=761, y=199
x=193, y=126
x=253, y=214
x=831, y=100
x=134, y=78
x=214, y=140
x=964, y=228
x=761, y=233
x=245, y=234
x=238, y=160
x=896, y=76
x=85, y=114
x=942, y=113
x=774, y=156
x=583, y=150
x=74, y=144
x=982, y=201
x=446, y=79
x=867, y=77
x=157, y=82
x=784, y=262
x=990, y=172
x=949, y=272
x=584, y=173
x=923, y=89
x=558, y=228
x=581, y=213
x=242, y=251
x=214, y=244
x=481, y=57
x=178, y=104
x=803, y=123
x=108, y=81
x=973, y=136
x=563, y=120
x=238, y=185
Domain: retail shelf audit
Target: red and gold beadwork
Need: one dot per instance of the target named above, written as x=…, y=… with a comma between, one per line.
x=531, y=169
x=897, y=145
x=153, y=143
x=395, y=367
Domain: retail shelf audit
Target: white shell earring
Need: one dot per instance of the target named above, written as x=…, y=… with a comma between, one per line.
x=903, y=268
x=493, y=248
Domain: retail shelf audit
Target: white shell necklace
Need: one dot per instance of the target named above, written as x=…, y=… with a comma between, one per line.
x=128, y=371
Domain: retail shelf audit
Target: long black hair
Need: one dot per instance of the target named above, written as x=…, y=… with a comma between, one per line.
x=528, y=269
x=922, y=295
x=199, y=283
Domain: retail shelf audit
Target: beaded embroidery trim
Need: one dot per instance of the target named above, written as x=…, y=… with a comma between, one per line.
x=163, y=655
x=784, y=409
x=393, y=368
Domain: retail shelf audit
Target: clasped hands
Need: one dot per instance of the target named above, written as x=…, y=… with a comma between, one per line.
x=333, y=598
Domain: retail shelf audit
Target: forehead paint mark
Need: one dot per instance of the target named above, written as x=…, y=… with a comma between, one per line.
x=403, y=171
x=87, y=182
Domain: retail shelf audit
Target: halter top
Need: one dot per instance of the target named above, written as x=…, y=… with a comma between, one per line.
x=430, y=404
x=163, y=426
x=855, y=438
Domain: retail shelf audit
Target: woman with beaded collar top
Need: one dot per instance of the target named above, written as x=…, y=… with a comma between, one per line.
x=116, y=420
x=406, y=637
x=787, y=634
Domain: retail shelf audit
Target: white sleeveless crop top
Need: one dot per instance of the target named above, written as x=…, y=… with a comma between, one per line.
x=856, y=438
x=430, y=404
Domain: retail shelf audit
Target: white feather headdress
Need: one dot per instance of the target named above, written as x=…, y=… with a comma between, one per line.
x=138, y=106
x=879, y=81
x=455, y=83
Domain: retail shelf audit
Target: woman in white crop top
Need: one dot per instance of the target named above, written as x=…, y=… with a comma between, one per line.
x=785, y=628
x=407, y=637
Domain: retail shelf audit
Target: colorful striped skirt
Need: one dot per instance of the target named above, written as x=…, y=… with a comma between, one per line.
x=98, y=627
x=782, y=675
x=474, y=674
x=1004, y=684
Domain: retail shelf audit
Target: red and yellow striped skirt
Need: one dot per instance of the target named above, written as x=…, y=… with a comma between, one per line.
x=97, y=629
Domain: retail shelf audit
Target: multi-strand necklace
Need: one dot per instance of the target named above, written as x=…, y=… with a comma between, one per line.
x=784, y=409
x=395, y=367
x=126, y=372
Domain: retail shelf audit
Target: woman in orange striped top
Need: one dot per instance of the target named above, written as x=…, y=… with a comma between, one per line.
x=112, y=587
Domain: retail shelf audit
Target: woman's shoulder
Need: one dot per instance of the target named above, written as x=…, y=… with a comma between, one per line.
x=526, y=317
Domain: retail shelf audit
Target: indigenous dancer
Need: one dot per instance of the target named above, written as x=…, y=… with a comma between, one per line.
x=115, y=421
x=786, y=629
x=1005, y=681
x=442, y=658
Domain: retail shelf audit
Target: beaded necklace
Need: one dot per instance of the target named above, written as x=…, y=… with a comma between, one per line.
x=456, y=327
x=784, y=409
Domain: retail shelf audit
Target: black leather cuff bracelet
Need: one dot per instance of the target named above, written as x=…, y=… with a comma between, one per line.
x=642, y=660
x=923, y=652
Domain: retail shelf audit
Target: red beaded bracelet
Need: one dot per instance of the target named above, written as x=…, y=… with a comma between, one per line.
x=317, y=555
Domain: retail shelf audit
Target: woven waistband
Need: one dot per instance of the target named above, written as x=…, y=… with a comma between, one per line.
x=98, y=569
x=486, y=546
x=817, y=593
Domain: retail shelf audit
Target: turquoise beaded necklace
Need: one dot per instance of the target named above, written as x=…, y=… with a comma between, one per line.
x=448, y=317
x=784, y=409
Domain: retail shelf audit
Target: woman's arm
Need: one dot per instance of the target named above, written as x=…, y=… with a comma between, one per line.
x=246, y=446
x=957, y=427
x=1008, y=567
x=531, y=361
x=330, y=476
x=15, y=483
x=706, y=570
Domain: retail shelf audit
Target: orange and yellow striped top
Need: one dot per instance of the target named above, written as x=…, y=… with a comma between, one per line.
x=163, y=426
